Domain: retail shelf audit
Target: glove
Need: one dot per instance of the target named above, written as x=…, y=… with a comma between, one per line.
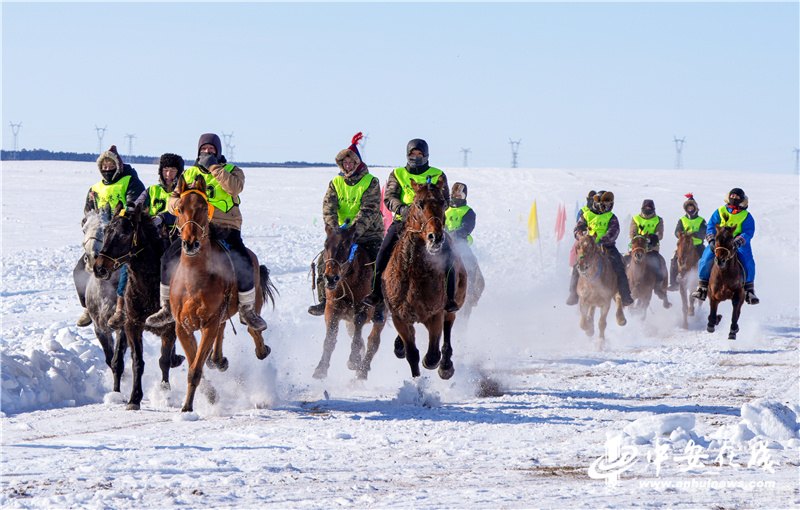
x=158, y=220
x=206, y=160
x=710, y=238
x=739, y=241
x=403, y=211
x=653, y=240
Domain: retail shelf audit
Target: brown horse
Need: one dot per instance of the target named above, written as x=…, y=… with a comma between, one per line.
x=414, y=282
x=687, y=256
x=726, y=282
x=642, y=276
x=348, y=280
x=203, y=293
x=597, y=286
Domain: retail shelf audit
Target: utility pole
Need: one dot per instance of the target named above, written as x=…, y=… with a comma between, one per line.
x=514, y=151
x=227, y=137
x=101, y=132
x=796, y=159
x=15, y=129
x=678, y=151
x=466, y=152
x=130, y=138
x=230, y=152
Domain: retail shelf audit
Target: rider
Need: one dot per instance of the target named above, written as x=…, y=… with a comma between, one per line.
x=598, y=220
x=459, y=217
x=170, y=166
x=691, y=223
x=398, y=197
x=647, y=223
x=733, y=214
x=225, y=182
x=119, y=184
x=352, y=201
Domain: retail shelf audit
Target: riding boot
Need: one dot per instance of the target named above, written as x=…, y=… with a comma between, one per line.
x=573, y=287
x=750, y=294
x=163, y=317
x=319, y=309
x=451, y=305
x=118, y=319
x=375, y=297
x=673, y=274
x=247, y=311
x=702, y=290
x=85, y=319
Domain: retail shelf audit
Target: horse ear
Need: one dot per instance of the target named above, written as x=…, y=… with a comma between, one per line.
x=416, y=187
x=199, y=184
x=440, y=184
x=105, y=212
x=118, y=208
x=181, y=186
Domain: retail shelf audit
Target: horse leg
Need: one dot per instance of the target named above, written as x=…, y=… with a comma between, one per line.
x=589, y=318
x=373, y=342
x=584, y=317
x=217, y=360
x=208, y=338
x=621, y=320
x=684, y=305
x=106, y=339
x=446, y=368
x=137, y=366
x=405, y=333
x=713, y=318
x=169, y=359
x=262, y=349
x=434, y=355
x=602, y=322
x=357, y=345
x=737, y=310
x=115, y=355
x=331, y=333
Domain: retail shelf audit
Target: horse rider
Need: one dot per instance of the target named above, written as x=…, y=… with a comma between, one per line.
x=599, y=221
x=224, y=182
x=459, y=218
x=352, y=201
x=647, y=223
x=119, y=184
x=170, y=166
x=398, y=197
x=572, y=299
x=691, y=223
x=733, y=214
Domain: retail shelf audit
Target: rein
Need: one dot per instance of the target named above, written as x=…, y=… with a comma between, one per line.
x=726, y=258
x=203, y=229
x=422, y=227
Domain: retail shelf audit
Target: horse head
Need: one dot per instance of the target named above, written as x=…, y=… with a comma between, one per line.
x=122, y=240
x=338, y=255
x=724, y=250
x=685, y=253
x=426, y=214
x=94, y=224
x=193, y=215
x=587, y=251
x=639, y=245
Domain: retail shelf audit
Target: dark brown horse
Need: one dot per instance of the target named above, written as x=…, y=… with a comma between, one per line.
x=597, y=286
x=726, y=282
x=348, y=280
x=414, y=282
x=132, y=239
x=203, y=293
x=642, y=275
x=687, y=256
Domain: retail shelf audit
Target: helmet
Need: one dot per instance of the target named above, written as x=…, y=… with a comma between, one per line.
x=737, y=198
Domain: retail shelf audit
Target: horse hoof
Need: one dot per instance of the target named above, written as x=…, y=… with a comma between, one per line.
x=430, y=364
x=667, y=305
x=719, y=319
x=320, y=372
x=176, y=361
x=399, y=348
x=710, y=329
x=223, y=365
x=362, y=374
x=446, y=372
x=165, y=386
x=731, y=336
x=264, y=353
x=622, y=322
x=186, y=409
x=354, y=364
x=132, y=407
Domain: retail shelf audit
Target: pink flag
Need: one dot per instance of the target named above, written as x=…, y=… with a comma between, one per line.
x=561, y=222
x=387, y=215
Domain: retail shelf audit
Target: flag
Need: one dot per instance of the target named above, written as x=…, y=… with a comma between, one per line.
x=387, y=215
x=561, y=222
x=533, y=224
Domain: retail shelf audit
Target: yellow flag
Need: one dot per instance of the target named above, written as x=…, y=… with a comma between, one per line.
x=533, y=224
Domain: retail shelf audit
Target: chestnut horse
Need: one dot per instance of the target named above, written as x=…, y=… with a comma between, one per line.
x=642, y=276
x=726, y=282
x=132, y=239
x=348, y=280
x=203, y=292
x=597, y=286
x=414, y=282
x=687, y=256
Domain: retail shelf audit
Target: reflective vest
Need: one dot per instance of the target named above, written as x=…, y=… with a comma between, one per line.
x=111, y=194
x=349, y=197
x=454, y=216
x=217, y=196
x=597, y=224
x=158, y=199
x=726, y=219
x=404, y=178
x=692, y=225
x=646, y=225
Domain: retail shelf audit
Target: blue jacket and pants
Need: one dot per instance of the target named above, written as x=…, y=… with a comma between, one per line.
x=745, y=252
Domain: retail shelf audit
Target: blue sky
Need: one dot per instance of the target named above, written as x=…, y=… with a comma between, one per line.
x=581, y=85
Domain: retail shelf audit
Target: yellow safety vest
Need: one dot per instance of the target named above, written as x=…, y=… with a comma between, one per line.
x=692, y=225
x=726, y=219
x=217, y=196
x=158, y=199
x=349, y=197
x=404, y=178
x=646, y=225
x=597, y=224
x=454, y=216
x=111, y=194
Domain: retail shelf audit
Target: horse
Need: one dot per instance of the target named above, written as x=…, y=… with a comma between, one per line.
x=475, y=281
x=132, y=239
x=687, y=257
x=101, y=294
x=348, y=280
x=597, y=286
x=414, y=282
x=726, y=281
x=642, y=275
x=203, y=292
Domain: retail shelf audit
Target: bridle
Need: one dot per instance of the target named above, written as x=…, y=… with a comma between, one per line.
x=203, y=229
x=120, y=261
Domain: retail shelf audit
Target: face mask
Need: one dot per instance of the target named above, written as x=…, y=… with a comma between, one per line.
x=107, y=174
x=417, y=161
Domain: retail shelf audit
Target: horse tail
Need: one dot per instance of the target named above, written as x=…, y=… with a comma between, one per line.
x=268, y=289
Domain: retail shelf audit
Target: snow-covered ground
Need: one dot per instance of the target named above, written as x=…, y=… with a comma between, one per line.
x=535, y=416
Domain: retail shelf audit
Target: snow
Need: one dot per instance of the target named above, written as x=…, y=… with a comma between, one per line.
x=701, y=421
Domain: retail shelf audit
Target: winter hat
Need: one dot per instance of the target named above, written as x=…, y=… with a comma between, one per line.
x=417, y=143
x=691, y=201
x=737, y=198
x=350, y=151
x=459, y=191
x=212, y=139
x=604, y=201
x=648, y=207
x=111, y=154
x=169, y=160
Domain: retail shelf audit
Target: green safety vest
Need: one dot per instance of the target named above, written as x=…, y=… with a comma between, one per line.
x=597, y=224
x=453, y=217
x=726, y=219
x=217, y=196
x=158, y=199
x=646, y=225
x=404, y=178
x=349, y=197
x=111, y=194
x=692, y=225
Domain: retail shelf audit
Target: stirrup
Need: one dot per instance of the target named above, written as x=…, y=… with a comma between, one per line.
x=701, y=293
x=750, y=298
x=161, y=318
x=84, y=320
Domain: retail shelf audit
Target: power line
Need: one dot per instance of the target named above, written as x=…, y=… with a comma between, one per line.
x=101, y=132
x=15, y=129
x=227, y=138
x=514, y=151
x=130, y=138
x=678, y=151
x=466, y=152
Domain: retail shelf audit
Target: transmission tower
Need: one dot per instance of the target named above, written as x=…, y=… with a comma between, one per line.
x=130, y=138
x=101, y=132
x=15, y=129
x=229, y=150
x=796, y=160
x=514, y=151
x=678, y=151
x=227, y=137
x=466, y=152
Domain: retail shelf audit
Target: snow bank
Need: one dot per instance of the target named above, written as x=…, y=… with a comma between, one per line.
x=770, y=419
x=675, y=426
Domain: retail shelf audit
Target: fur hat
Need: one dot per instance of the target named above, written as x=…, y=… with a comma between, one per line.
x=111, y=154
x=737, y=198
x=604, y=201
x=212, y=139
x=691, y=201
x=169, y=160
x=459, y=191
x=351, y=151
